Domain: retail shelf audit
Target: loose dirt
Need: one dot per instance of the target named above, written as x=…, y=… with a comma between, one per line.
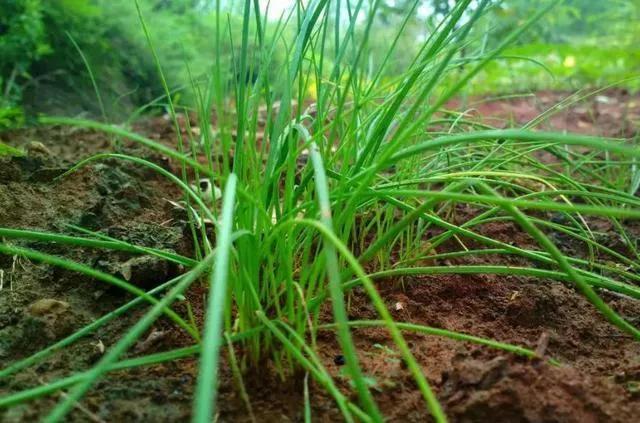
x=598, y=378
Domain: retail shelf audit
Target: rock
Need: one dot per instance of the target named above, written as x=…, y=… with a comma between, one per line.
x=38, y=150
x=47, y=306
x=49, y=319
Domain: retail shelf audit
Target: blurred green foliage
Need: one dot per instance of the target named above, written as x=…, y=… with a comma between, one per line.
x=41, y=69
x=22, y=41
x=566, y=67
x=580, y=43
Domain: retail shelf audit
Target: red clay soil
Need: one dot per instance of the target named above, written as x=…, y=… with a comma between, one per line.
x=610, y=113
x=598, y=379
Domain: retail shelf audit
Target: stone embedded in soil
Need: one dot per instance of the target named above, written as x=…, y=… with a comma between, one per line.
x=38, y=150
x=47, y=306
x=47, y=319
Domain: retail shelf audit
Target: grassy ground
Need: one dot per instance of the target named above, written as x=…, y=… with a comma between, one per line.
x=375, y=206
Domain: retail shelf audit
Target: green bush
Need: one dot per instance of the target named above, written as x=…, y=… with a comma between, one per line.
x=53, y=78
x=581, y=44
x=42, y=70
x=22, y=41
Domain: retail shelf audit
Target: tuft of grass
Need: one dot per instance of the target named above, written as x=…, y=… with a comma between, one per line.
x=328, y=193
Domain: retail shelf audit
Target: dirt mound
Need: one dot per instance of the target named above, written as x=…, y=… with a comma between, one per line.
x=502, y=390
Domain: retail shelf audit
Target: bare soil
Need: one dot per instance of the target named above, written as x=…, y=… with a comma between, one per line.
x=598, y=379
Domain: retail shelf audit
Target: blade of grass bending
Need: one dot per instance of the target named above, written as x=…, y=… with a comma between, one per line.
x=439, y=196
x=11, y=233
x=185, y=188
x=111, y=244
x=458, y=336
x=177, y=258
x=165, y=86
x=94, y=83
x=565, y=266
x=598, y=282
x=337, y=298
x=74, y=395
x=542, y=257
x=605, y=144
x=96, y=274
x=147, y=360
x=415, y=212
x=207, y=385
x=531, y=255
x=116, y=130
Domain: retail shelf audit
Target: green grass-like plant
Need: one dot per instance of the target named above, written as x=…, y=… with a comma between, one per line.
x=384, y=164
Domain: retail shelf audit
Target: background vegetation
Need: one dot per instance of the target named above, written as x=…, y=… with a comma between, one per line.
x=583, y=43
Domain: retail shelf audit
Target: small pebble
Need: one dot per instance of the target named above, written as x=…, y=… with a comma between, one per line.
x=47, y=306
